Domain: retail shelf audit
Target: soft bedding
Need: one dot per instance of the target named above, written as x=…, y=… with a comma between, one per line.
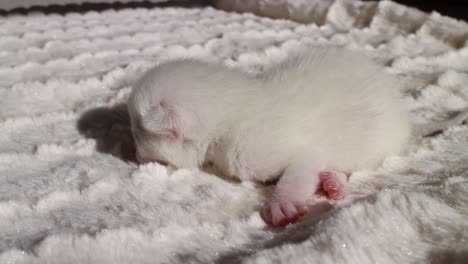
x=71, y=192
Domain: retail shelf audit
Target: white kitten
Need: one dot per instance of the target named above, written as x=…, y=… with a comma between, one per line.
x=306, y=121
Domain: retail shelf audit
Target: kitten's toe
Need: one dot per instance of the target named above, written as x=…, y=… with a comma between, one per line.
x=331, y=186
x=282, y=213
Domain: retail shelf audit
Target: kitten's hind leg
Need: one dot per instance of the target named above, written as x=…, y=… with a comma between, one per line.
x=296, y=187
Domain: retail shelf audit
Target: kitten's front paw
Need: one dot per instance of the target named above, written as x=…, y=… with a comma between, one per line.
x=282, y=213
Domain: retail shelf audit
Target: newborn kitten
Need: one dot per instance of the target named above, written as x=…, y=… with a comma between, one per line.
x=307, y=122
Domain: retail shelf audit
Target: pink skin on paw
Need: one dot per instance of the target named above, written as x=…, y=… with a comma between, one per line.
x=331, y=187
x=279, y=214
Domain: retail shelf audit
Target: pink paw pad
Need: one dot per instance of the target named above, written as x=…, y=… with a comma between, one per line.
x=280, y=214
x=331, y=187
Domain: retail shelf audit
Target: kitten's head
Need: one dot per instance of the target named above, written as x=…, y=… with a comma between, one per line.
x=163, y=132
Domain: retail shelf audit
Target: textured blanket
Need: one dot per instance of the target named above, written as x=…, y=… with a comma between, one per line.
x=70, y=191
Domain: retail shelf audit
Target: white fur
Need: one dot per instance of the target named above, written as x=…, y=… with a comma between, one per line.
x=330, y=106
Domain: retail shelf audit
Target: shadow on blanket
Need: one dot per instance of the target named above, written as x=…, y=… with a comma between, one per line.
x=110, y=127
x=296, y=234
x=448, y=256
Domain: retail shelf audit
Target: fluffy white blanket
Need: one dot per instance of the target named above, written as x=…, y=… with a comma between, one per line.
x=69, y=192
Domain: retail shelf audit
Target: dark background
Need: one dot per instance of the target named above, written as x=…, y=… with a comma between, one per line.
x=454, y=8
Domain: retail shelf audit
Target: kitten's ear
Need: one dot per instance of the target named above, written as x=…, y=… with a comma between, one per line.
x=168, y=120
